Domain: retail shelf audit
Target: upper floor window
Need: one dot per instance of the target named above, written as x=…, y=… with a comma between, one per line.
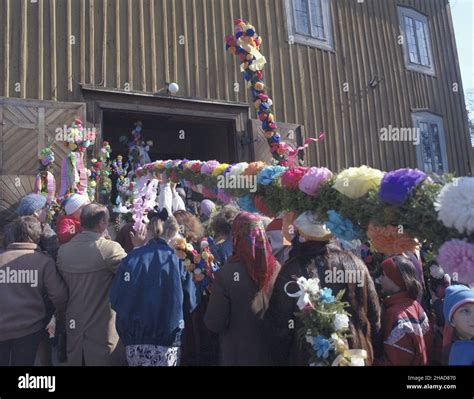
x=416, y=39
x=309, y=22
x=431, y=144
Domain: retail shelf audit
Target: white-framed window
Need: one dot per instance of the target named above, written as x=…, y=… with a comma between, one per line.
x=309, y=22
x=431, y=147
x=416, y=41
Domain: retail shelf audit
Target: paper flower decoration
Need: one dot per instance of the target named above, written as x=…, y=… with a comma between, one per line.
x=456, y=257
x=356, y=182
x=390, y=241
x=254, y=168
x=313, y=179
x=397, y=185
x=208, y=167
x=291, y=178
x=238, y=168
x=455, y=205
x=220, y=169
x=196, y=167
x=269, y=174
x=341, y=228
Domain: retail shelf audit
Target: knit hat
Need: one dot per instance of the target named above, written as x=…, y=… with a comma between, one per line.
x=30, y=204
x=74, y=202
x=310, y=228
x=456, y=296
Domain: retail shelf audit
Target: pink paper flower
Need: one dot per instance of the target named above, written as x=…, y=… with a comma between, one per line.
x=456, y=257
x=313, y=179
x=291, y=178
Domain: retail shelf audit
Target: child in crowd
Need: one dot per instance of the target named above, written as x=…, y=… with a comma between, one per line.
x=405, y=326
x=67, y=226
x=459, y=314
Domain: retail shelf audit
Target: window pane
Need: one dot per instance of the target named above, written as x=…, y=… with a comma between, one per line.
x=438, y=166
x=422, y=42
x=426, y=149
x=411, y=40
x=300, y=8
x=317, y=20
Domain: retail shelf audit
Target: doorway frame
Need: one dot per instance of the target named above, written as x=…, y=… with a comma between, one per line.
x=238, y=114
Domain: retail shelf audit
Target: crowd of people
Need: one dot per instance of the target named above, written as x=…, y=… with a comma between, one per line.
x=100, y=293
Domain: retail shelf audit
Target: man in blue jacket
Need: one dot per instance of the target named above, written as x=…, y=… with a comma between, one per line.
x=150, y=294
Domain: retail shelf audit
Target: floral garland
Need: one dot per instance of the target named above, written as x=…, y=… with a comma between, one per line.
x=325, y=324
x=73, y=170
x=200, y=264
x=397, y=211
x=245, y=43
x=45, y=183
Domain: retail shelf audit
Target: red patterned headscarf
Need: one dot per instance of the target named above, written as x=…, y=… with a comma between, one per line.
x=252, y=248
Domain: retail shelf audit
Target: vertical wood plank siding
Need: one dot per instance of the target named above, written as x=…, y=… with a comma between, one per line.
x=143, y=44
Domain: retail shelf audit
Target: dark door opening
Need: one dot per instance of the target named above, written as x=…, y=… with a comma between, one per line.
x=173, y=136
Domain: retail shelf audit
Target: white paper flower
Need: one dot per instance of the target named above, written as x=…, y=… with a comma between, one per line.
x=455, y=205
x=436, y=271
x=238, y=169
x=341, y=321
x=312, y=286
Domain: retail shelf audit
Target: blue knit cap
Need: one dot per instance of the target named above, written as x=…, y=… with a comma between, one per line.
x=30, y=204
x=456, y=296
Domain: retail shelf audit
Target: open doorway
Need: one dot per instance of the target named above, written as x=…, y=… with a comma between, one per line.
x=173, y=136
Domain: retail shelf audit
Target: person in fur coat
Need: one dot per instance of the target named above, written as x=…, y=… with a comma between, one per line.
x=316, y=255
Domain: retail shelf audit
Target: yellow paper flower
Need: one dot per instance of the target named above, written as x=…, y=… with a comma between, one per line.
x=220, y=169
x=356, y=182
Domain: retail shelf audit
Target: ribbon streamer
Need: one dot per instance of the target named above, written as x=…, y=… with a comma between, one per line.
x=302, y=294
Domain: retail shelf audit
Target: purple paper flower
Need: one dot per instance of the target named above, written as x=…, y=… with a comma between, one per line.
x=397, y=185
x=313, y=179
x=208, y=167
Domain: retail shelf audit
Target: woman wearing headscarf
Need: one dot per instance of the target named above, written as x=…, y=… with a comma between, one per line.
x=241, y=293
x=317, y=255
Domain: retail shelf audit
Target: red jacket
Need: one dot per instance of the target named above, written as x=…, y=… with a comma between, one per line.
x=67, y=227
x=405, y=330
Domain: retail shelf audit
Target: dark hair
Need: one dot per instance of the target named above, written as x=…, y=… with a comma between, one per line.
x=221, y=222
x=193, y=230
x=92, y=215
x=220, y=226
x=408, y=272
x=155, y=227
x=27, y=229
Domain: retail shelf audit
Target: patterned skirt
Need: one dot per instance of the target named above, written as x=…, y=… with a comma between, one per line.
x=152, y=355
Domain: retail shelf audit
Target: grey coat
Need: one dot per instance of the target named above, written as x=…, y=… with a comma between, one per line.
x=229, y=314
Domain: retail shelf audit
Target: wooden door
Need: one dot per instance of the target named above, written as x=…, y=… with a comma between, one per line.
x=26, y=127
